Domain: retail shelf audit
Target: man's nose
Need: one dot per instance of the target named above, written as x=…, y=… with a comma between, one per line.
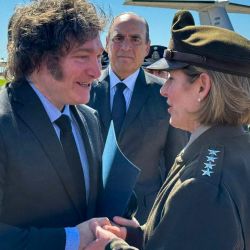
x=126, y=44
x=95, y=68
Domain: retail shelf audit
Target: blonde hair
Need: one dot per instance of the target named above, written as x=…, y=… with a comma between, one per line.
x=228, y=101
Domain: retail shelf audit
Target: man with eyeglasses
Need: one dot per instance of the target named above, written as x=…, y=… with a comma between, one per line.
x=131, y=98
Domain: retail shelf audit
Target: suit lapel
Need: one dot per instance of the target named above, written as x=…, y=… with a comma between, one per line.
x=93, y=172
x=31, y=111
x=103, y=100
x=139, y=96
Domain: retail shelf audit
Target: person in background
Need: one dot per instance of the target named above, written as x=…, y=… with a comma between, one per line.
x=152, y=62
x=155, y=53
x=131, y=98
x=104, y=59
x=158, y=68
x=50, y=145
x=205, y=200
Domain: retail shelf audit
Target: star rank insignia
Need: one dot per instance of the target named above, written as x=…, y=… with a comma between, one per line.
x=207, y=172
x=213, y=152
x=211, y=158
x=209, y=165
x=210, y=162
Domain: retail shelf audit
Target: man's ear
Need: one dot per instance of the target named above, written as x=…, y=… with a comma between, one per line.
x=205, y=85
x=148, y=48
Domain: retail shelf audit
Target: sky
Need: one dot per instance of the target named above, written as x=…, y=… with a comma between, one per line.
x=159, y=19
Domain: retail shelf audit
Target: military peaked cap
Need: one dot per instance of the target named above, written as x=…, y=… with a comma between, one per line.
x=158, y=65
x=205, y=46
x=104, y=59
x=155, y=53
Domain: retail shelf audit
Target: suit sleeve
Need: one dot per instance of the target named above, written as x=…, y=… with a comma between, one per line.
x=31, y=238
x=197, y=215
x=25, y=238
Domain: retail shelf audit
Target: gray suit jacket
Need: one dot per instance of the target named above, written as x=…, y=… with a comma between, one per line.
x=38, y=196
x=146, y=137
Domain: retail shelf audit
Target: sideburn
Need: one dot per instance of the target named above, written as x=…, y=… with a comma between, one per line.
x=54, y=67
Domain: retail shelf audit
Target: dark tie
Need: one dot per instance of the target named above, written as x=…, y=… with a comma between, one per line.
x=119, y=107
x=70, y=149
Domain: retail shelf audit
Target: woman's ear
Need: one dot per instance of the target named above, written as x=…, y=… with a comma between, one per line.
x=205, y=85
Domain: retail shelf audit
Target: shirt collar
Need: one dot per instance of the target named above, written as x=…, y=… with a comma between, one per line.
x=196, y=134
x=129, y=81
x=52, y=111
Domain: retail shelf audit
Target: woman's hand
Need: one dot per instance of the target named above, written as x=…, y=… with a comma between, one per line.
x=126, y=222
x=103, y=237
x=106, y=232
x=86, y=233
x=119, y=226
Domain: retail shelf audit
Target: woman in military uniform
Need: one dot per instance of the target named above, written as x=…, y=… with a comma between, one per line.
x=204, y=203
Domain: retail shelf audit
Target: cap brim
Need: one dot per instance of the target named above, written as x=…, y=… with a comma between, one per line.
x=164, y=64
x=146, y=64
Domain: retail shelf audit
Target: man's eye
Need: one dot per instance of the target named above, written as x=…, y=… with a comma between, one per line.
x=117, y=39
x=82, y=56
x=136, y=40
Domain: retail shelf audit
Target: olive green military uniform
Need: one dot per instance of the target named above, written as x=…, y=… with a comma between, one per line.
x=204, y=203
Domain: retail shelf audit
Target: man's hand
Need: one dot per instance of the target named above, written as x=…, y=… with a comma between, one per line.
x=108, y=232
x=86, y=234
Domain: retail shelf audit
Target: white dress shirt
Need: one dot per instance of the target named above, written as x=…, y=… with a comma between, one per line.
x=129, y=82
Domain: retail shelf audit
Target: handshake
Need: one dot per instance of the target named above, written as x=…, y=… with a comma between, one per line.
x=96, y=233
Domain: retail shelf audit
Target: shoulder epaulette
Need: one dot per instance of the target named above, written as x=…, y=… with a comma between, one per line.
x=210, y=164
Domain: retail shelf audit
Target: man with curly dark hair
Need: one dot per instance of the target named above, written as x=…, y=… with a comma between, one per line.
x=50, y=143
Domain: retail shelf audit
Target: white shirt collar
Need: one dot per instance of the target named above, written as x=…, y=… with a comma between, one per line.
x=129, y=81
x=53, y=112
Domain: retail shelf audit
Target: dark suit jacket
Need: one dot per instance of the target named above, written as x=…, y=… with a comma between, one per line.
x=37, y=192
x=146, y=137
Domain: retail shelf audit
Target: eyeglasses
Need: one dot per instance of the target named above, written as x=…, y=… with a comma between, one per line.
x=135, y=40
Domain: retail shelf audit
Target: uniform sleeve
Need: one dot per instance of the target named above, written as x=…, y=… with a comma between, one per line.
x=133, y=240
x=116, y=244
x=197, y=215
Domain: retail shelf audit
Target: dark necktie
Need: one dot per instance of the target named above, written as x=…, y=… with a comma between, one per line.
x=70, y=149
x=119, y=107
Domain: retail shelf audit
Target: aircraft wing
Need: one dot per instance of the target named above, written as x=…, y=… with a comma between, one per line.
x=198, y=5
